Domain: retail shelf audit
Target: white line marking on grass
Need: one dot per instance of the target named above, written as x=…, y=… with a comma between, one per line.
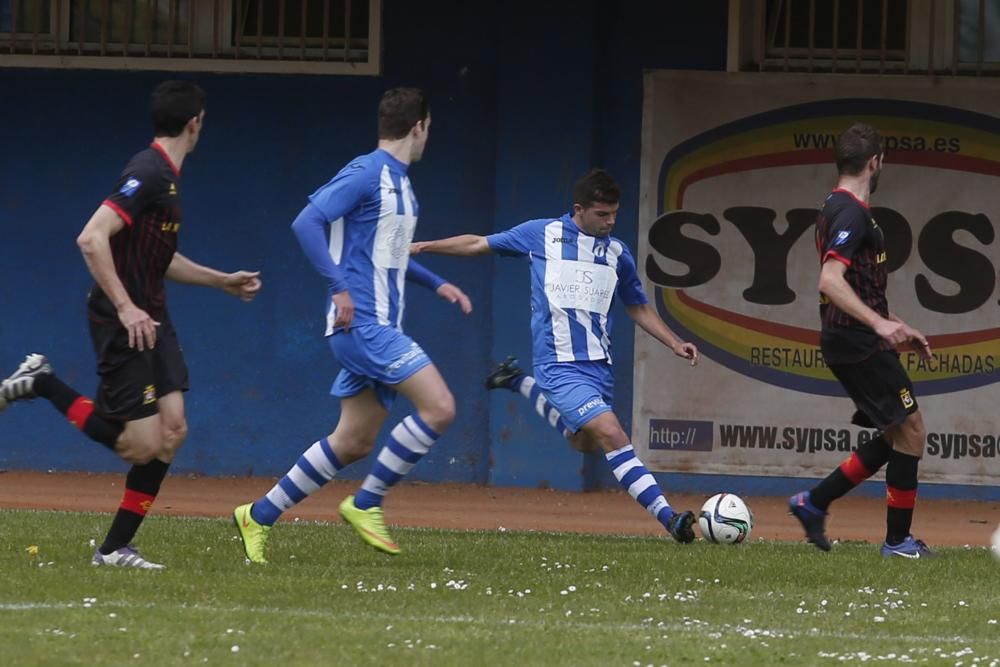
x=700, y=628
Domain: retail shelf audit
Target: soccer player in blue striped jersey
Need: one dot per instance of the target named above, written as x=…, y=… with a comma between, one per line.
x=356, y=232
x=577, y=270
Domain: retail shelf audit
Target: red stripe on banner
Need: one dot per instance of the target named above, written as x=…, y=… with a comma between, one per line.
x=855, y=471
x=139, y=503
x=79, y=412
x=784, y=159
x=126, y=218
x=904, y=500
x=799, y=334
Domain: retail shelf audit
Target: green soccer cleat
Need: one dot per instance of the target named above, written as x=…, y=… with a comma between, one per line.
x=370, y=525
x=253, y=534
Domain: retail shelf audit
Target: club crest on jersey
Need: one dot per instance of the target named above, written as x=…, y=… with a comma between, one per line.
x=600, y=250
x=131, y=186
x=842, y=238
x=906, y=398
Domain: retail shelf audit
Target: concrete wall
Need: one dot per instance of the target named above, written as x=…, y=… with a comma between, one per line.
x=525, y=96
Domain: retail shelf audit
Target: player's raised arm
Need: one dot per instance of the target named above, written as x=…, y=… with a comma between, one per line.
x=834, y=286
x=421, y=275
x=310, y=230
x=95, y=245
x=465, y=245
x=244, y=284
x=645, y=316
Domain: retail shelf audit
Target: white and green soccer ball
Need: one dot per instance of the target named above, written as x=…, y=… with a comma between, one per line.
x=725, y=519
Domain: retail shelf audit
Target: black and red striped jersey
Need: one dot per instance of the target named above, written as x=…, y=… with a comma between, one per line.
x=147, y=198
x=846, y=232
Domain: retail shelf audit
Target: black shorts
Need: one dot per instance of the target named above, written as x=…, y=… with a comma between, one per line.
x=132, y=381
x=880, y=388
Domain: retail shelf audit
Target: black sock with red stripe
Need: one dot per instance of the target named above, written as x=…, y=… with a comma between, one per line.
x=859, y=466
x=141, y=488
x=900, y=495
x=79, y=410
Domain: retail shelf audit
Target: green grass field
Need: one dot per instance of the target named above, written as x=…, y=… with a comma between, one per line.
x=477, y=598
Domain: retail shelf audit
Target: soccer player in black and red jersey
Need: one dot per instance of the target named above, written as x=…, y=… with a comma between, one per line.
x=859, y=340
x=130, y=247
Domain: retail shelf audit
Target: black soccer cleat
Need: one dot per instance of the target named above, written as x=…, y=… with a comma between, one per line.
x=504, y=375
x=681, y=526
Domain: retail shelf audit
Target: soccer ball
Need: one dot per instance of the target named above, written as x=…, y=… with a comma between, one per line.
x=725, y=519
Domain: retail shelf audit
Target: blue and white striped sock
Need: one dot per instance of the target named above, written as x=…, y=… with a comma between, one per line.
x=315, y=467
x=634, y=478
x=528, y=387
x=407, y=444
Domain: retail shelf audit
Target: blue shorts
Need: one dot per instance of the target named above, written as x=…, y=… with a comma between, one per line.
x=374, y=356
x=578, y=390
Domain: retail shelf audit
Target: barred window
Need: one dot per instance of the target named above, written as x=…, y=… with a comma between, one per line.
x=293, y=36
x=979, y=31
x=959, y=37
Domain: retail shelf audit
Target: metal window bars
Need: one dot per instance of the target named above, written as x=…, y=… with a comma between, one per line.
x=936, y=37
x=290, y=36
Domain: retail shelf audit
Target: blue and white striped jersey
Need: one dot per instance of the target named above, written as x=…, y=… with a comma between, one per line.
x=372, y=213
x=574, y=279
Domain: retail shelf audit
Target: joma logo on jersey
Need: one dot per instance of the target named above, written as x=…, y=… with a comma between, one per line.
x=172, y=227
x=149, y=394
x=562, y=239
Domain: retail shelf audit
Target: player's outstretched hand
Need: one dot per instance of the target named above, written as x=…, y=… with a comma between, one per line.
x=345, y=309
x=902, y=336
x=140, y=326
x=917, y=342
x=244, y=284
x=688, y=351
x=453, y=294
x=417, y=247
x=895, y=331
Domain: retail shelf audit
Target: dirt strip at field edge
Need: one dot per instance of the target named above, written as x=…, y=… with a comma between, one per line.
x=468, y=506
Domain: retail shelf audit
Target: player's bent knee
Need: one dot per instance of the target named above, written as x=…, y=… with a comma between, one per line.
x=357, y=447
x=137, y=453
x=440, y=414
x=913, y=435
x=582, y=443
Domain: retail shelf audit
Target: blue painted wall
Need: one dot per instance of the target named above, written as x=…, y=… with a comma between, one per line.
x=526, y=96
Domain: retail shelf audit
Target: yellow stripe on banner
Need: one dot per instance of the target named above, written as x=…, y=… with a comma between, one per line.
x=948, y=363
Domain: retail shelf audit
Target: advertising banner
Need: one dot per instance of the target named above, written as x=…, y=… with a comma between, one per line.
x=735, y=168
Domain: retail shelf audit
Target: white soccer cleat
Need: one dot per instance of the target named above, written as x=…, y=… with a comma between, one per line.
x=21, y=383
x=127, y=556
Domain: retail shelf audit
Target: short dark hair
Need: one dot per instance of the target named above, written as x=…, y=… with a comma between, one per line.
x=855, y=146
x=399, y=110
x=596, y=186
x=174, y=103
